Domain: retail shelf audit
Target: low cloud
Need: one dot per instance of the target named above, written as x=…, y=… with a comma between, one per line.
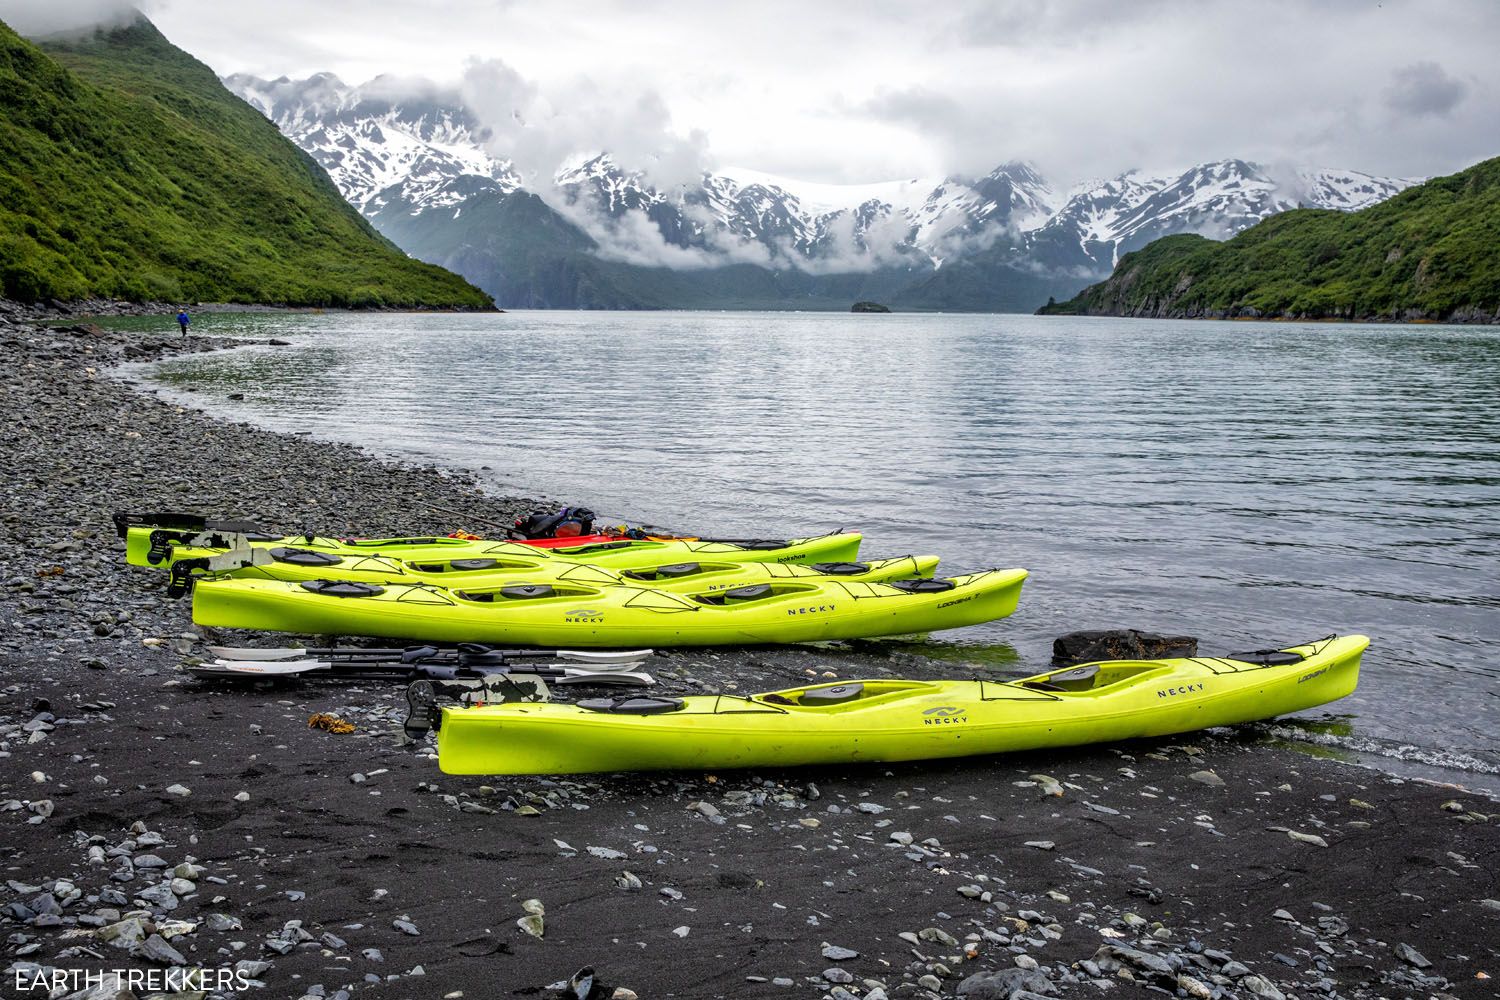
x=35, y=19
x=540, y=128
x=1424, y=88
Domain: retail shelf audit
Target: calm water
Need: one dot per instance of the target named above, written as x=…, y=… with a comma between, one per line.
x=1249, y=484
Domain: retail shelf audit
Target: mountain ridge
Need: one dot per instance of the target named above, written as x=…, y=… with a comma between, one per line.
x=1426, y=254
x=1019, y=241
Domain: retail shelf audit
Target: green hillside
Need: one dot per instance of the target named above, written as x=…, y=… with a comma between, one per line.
x=1430, y=253
x=129, y=172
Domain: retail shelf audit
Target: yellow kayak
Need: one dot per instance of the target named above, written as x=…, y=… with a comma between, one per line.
x=573, y=614
x=162, y=547
x=522, y=565
x=891, y=720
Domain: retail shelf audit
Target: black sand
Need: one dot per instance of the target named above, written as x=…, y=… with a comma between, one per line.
x=1167, y=866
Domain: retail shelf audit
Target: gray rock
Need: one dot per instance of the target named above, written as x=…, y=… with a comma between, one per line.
x=939, y=935
x=156, y=949
x=1002, y=984
x=1258, y=986
x=1113, y=955
x=838, y=975
x=253, y=968
x=125, y=934
x=1333, y=926
x=1412, y=956
x=1119, y=644
x=1207, y=778
x=607, y=853
x=160, y=896
x=834, y=953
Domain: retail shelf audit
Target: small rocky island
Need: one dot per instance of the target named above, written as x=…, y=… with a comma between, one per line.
x=869, y=307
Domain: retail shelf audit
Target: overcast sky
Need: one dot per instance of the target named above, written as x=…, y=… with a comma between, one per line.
x=871, y=90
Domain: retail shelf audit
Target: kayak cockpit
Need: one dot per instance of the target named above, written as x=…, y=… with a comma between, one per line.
x=820, y=697
x=1092, y=677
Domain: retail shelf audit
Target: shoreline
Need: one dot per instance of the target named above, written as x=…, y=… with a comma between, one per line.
x=363, y=841
x=61, y=312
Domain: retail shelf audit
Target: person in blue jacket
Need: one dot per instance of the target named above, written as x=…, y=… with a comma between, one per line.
x=183, y=319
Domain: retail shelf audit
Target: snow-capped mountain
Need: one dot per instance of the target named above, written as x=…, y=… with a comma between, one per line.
x=426, y=151
x=413, y=159
x=1104, y=219
x=797, y=221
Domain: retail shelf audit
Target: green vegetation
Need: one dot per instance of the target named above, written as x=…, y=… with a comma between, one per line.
x=129, y=172
x=1430, y=253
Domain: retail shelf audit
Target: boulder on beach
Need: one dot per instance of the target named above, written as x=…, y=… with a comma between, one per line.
x=1119, y=644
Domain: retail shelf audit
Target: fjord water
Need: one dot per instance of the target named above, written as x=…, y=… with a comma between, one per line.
x=1252, y=484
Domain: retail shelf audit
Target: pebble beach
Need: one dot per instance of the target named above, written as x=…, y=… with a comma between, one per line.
x=158, y=831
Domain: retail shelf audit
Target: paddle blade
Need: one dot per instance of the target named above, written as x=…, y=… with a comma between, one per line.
x=585, y=656
x=247, y=653
x=252, y=668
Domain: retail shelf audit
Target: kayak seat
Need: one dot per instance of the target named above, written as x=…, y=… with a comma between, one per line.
x=578, y=550
x=1077, y=679
x=737, y=595
x=341, y=588
x=470, y=565
x=304, y=557
x=841, y=568
x=923, y=586
x=632, y=705
x=672, y=572
x=518, y=592
x=837, y=695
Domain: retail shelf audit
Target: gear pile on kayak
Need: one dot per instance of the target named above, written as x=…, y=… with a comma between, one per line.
x=559, y=582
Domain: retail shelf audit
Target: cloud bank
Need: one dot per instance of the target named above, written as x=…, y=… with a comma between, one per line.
x=855, y=91
x=37, y=18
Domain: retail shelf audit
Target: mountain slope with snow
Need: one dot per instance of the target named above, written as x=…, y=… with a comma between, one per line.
x=414, y=161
